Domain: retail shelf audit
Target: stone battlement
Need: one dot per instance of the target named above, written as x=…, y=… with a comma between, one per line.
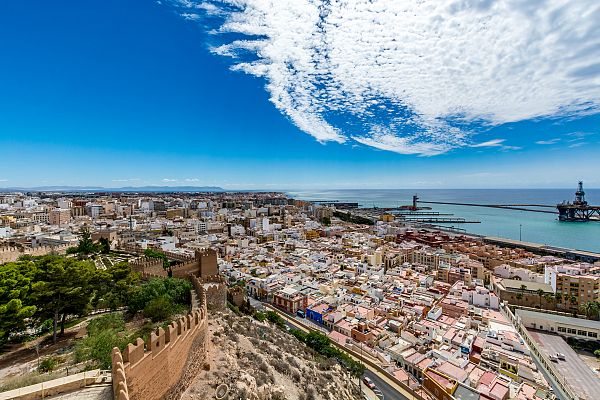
x=149, y=266
x=184, y=269
x=164, y=366
x=214, y=289
x=203, y=264
x=12, y=253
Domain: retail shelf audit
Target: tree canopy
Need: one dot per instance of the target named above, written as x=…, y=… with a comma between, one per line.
x=34, y=289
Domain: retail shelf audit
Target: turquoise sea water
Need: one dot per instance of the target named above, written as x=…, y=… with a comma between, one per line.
x=535, y=227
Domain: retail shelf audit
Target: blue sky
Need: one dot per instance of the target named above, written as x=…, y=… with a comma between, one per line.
x=117, y=93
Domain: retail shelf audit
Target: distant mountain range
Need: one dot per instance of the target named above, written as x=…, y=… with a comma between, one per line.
x=137, y=189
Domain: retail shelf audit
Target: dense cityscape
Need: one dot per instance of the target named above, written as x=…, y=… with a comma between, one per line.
x=300, y=200
x=413, y=312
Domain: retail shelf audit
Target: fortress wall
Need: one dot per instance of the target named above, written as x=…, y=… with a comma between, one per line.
x=178, y=256
x=183, y=270
x=150, y=266
x=9, y=254
x=166, y=364
x=215, y=291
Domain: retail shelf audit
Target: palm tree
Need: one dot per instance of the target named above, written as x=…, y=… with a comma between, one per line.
x=540, y=293
x=573, y=300
x=519, y=296
x=558, y=297
x=522, y=289
x=590, y=309
x=549, y=297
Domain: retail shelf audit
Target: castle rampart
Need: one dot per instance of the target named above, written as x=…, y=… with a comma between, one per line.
x=11, y=253
x=165, y=365
x=215, y=291
x=149, y=266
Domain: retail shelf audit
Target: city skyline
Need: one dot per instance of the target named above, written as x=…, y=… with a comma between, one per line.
x=176, y=93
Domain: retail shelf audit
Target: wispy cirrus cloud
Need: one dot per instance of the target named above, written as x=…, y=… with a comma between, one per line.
x=127, y=180
x=548, y=142
x=490, y=143
x=418, y=77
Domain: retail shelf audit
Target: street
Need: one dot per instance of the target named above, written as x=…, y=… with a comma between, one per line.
x=387, y=391
x=383, y=390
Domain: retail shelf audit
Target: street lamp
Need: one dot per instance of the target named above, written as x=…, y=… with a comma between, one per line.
x=520, y=226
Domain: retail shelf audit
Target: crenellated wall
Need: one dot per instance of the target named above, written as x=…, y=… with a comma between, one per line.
x=164, y=366
x=149, y=266
x=9, y=254
x=215, y=291
x=184, y=269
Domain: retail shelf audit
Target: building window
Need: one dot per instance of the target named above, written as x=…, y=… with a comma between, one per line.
x=582, y=333
x=572, y=331
x=592, y=334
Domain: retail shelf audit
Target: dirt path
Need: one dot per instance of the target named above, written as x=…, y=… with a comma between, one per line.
x=23, y=356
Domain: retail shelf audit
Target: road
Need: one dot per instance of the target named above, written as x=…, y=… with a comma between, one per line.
x=383, y=390
x=388, y=392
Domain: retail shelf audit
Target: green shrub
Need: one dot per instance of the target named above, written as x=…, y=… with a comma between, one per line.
x=109, y=321
x=275, y=318
x=159, y=309
x=177, y=291
x=104, y=333
x=233, y=308
x=47, y=364
x=260, y=316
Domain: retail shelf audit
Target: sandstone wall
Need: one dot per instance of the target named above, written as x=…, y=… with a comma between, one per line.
x=149, y=266
x=9, y=254
x=215, y=291
x=183, y=270
x=165, y=365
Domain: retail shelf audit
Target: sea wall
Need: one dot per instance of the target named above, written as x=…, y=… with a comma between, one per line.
x=164, y=366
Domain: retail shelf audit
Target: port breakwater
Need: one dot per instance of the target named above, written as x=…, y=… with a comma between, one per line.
x=502, y=206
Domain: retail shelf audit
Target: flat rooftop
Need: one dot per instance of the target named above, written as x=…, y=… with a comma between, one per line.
x=561, y=319
x=577, y=374
x=515, y=284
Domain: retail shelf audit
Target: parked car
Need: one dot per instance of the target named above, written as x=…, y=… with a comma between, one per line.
x=369, y=383
x=301, y=314
x=553, y=358
x=560, y=356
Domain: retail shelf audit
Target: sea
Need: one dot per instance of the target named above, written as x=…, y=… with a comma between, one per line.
x=512, y=224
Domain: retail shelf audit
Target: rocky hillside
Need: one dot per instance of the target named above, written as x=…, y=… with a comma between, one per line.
x=258, y=361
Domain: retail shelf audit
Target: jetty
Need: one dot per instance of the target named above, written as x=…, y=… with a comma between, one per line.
x=501, y=206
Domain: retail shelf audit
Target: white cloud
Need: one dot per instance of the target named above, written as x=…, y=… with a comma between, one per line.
x=465, y=60
x=490, y=143
x=170, y=180
x=127, y=180
x=3, y=180
x=190, y=16
x=548, y=142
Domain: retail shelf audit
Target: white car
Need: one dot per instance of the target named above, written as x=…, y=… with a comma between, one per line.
x=560, y=356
